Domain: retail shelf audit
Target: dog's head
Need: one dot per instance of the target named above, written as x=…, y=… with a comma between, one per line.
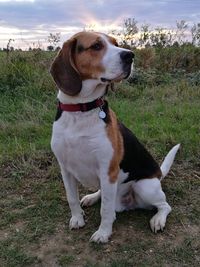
x=90, y=56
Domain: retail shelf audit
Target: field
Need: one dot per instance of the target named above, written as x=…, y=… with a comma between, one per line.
x=161, y=105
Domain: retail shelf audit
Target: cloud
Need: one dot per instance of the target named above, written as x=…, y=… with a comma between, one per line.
x=16, y=1
x=69, y=16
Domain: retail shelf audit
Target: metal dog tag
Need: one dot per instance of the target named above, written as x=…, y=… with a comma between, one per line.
x=102, y=114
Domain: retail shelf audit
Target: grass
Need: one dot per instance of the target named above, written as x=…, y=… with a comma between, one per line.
x=34, y=211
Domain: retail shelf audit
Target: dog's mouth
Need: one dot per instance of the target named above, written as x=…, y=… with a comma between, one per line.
x=119, y=78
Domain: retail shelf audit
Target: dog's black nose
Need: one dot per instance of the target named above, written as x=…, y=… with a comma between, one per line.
x=127, y=56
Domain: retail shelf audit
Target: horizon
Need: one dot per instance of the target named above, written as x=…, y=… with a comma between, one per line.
x=29, y=22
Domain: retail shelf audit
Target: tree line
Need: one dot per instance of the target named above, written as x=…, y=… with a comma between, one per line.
x=133, y=35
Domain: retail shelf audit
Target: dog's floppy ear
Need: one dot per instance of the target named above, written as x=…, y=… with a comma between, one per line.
x=64, y=71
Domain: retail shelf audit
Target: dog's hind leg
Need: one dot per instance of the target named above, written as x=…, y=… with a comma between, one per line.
x=148, y=194
x=90, y=199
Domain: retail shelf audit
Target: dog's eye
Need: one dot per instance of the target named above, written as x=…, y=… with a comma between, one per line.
x=97, y=46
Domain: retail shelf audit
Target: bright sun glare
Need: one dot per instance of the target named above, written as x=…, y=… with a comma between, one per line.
x=96, y=26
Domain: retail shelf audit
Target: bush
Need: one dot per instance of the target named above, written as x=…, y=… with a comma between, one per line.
x=24, y=68
x=185, y=57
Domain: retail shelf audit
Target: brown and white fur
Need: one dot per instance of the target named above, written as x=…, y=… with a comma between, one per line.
x=88, y=149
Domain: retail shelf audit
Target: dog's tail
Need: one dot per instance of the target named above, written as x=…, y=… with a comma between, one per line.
x=169, y=159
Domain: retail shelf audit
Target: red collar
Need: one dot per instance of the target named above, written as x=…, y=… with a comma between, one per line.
x=82, y=106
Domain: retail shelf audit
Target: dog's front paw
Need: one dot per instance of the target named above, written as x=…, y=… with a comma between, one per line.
x=157, y=223
x=76, y=222
x=100, y=236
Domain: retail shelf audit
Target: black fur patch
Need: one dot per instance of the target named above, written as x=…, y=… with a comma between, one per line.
x=106, y=110
x=58, y=113
x=137, y=160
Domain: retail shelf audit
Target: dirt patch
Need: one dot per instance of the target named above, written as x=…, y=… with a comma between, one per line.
x=36, y=227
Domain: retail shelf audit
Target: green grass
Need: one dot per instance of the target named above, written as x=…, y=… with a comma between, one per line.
x=160, y=116
x=33, y=208
x=14, y=256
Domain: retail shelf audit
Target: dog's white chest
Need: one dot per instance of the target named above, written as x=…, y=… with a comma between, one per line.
x=78, y=142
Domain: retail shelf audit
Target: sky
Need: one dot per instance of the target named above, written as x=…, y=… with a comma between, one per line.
x=29, y=22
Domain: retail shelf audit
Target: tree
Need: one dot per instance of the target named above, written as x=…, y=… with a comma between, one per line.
x=161, y=37
x=50, y=48
x=195, y=31
x=54, y=39
x=181, y=26
x=130, y=29
x=144, y=35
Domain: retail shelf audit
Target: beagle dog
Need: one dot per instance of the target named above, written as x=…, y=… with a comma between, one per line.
x=94, y=148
